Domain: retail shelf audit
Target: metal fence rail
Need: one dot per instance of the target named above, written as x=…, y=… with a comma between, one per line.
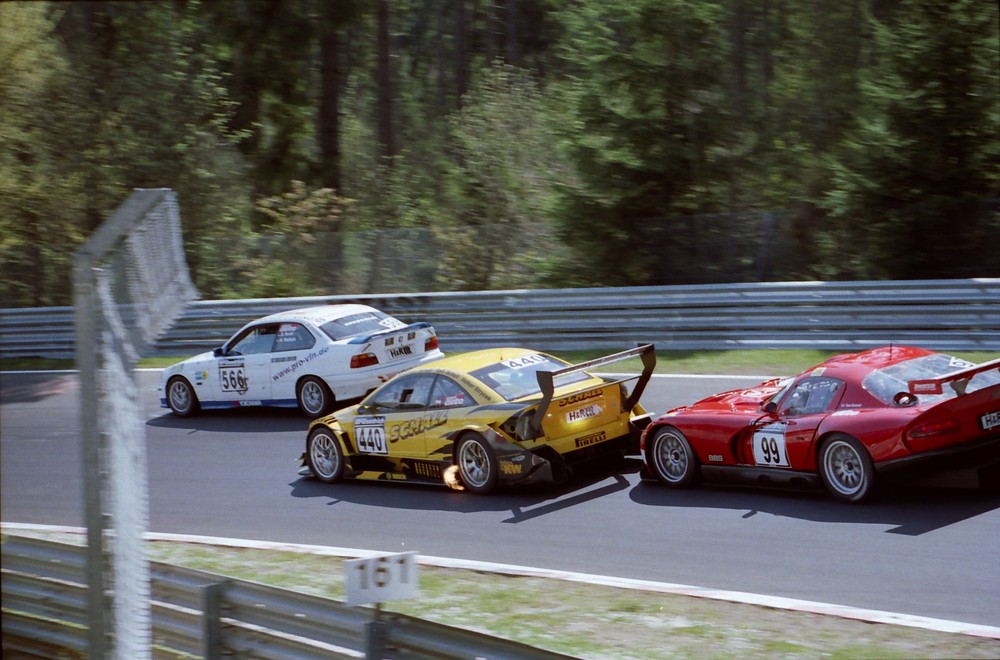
x=208, y=615
x=955, y=315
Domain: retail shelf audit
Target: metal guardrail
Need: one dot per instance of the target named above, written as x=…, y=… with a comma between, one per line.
x=208, y=615
x=953, y=315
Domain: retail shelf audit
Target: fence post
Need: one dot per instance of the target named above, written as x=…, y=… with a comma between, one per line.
x=376, y=636
x=211, y=598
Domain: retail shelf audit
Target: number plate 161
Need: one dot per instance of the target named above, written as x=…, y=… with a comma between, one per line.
x=381, y=579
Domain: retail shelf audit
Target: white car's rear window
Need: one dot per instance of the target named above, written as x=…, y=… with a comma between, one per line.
x=360, y=324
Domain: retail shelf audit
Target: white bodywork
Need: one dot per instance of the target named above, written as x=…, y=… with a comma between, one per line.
x=264, y=363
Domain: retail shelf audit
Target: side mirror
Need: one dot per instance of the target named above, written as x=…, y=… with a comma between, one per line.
x=218, y=352
x=770, y=407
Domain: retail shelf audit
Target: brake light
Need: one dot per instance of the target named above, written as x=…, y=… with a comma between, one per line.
x=935, y=428
x=363, y=360
x=431, y=343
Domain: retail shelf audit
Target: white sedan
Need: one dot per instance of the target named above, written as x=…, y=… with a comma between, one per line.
x=309, y=358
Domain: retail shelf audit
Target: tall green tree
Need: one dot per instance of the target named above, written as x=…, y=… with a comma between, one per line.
x=40, y=195
x=915, y=184
x=649, y=130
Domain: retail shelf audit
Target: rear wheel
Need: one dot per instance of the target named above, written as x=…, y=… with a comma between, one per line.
x=672, y=459
x=181, y=397
x=846, y=468
x=324, y=456
x=314, y=397
x=477, y=464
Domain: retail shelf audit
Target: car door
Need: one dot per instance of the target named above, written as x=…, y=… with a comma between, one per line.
x=243, y=370
x=396, y=417
x=291, y=351
x=785, y=440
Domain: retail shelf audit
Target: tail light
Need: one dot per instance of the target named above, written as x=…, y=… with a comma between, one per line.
x=431, y=343
x=932, y=435
x=363, y=360
x=935, y=428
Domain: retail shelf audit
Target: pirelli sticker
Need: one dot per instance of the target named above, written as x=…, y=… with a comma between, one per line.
x=592, y=439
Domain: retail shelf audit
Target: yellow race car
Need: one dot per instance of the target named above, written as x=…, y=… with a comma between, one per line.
x=478, y=420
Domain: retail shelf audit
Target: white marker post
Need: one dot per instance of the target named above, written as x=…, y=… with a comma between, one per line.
x=378, y=580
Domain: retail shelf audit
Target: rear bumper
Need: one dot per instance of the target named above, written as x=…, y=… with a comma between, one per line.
x=976, y=455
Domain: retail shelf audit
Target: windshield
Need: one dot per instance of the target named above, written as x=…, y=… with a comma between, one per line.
x=886, y=383
x=360, y=324
x=514, y=379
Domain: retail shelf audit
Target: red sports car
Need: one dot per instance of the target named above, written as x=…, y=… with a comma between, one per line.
x=845, y=424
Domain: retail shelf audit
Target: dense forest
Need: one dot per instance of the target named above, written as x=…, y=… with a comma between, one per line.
x=351, y=146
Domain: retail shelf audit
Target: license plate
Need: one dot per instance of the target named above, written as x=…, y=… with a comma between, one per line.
x=401, y=351
x=990, y=420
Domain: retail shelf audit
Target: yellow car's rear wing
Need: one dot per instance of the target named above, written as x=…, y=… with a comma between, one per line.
x=546, y=380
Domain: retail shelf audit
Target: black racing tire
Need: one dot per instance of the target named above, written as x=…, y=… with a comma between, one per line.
x=846, y=468
x=671, y=458
x=181, y=398
x=477, y=464
x=324, y=456
x=314, y=397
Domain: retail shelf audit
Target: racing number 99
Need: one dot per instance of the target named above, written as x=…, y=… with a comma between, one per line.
x=769, y=447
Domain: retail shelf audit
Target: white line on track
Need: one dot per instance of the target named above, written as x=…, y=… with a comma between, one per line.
x=775, y=602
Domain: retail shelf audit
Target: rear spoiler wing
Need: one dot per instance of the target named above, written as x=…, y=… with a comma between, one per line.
x=364, y=339
x=546, y=380
x=959, y=380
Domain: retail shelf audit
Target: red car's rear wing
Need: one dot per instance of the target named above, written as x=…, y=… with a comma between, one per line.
x=959, y=379
x=546, y=380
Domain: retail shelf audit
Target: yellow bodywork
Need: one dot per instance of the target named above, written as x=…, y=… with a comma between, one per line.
x=585, y=418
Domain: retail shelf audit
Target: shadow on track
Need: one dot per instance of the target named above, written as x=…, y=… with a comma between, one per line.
x=523, y=502
x=237, y=420
x=909, y=510
x=32, y=388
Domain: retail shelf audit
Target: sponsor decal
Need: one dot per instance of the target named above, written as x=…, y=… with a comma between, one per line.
x=250, y=403
x=287, y=358
x=715, y=458
x=292, y=368
x=585, y=412
x=510, y=467
x=592, y=439
x=401, y=351
x=577, y=398
x=925, y=388
x=846, y=413
x=412, y=427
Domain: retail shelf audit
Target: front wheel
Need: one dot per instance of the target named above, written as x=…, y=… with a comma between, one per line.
x=314, y=397
x=672, y=459
x=181, y=397
x=477, y=464
x=846, y=469
x=324, y=455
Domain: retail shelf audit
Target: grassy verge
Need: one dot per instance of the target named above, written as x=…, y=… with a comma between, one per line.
x=765, y=362
x=589, y=621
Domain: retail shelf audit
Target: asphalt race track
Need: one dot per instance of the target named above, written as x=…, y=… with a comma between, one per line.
x=920, y=551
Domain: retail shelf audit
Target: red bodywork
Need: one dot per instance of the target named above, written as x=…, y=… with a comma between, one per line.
x=906, y=432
